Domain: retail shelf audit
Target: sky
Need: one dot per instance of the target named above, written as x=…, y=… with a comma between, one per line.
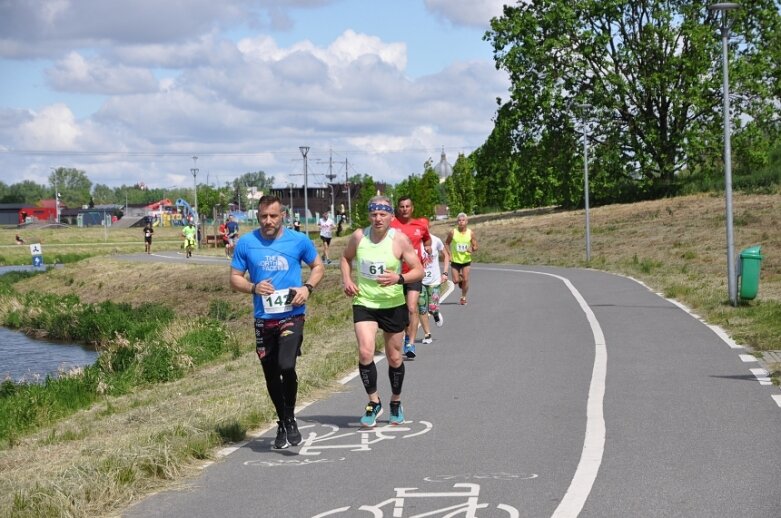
x=129, y=92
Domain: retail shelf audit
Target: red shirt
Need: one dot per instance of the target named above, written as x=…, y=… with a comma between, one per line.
x=416, y=229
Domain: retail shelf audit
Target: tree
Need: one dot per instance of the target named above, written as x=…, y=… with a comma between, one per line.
x=257, y=179
x=460, y=187
x=104, y=195
x=649, y=70
x=427, y=196
x=27, y=192
x=72, y=184
x=367, y=189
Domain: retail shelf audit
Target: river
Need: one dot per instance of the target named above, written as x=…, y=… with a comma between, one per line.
x=24, y=358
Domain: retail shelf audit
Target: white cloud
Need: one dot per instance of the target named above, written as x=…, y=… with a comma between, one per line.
x=54, y=127
x=74, y=73
x=474, y=13
x=243, y=105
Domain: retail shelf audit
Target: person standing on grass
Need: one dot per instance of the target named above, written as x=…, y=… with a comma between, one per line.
x=148, y=231
x=326, y=225
x=463, y=244
x=433, y=278
x=272, y=255
x=378, y=301
x=416, y=229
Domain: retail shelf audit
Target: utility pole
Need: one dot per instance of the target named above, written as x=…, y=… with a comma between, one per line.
x=304, y=150
x=56, y=196
x=331, y=177
x=585, y=107
x=347, y=183
x=732, y=283
x=194, y=171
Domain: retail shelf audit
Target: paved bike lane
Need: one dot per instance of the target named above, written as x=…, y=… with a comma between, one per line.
x=496, y=411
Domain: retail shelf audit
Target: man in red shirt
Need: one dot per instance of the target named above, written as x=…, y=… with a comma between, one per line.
x=416, y=230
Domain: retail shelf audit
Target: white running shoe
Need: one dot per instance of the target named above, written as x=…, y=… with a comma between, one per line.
x=439, y=318
x=426, y=339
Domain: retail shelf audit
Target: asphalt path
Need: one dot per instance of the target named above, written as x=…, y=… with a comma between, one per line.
x=554, y=392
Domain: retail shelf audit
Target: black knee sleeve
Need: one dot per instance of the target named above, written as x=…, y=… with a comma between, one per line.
x=368, y=377
x=396, y=375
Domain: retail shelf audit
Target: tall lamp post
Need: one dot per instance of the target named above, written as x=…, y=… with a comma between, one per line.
x=194, y=171
x=56, y=197
x=585, y=108
x=304, y=150
x=349, y=198
x=732, y=284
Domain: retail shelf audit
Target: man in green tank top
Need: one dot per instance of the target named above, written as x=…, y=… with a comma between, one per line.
x=463, y=244
x=376, y=253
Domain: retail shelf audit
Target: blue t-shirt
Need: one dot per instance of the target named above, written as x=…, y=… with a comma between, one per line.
x=233, y=227
x=276, y=259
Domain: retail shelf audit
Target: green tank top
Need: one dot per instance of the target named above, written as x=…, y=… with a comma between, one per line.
x=371, y=260
x=459, y=247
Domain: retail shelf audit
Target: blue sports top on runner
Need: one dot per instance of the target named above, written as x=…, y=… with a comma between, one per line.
x=277, y=260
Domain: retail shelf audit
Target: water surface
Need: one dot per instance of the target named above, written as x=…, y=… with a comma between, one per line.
x=25, y=359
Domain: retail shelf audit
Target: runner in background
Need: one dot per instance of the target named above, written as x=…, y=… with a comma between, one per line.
x=326, y=225
x=433, y=279
x=416, y=229
x=148, y=231
x=463, y=244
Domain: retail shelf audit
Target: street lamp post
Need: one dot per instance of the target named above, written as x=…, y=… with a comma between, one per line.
x=304, y=150
x=292, y=212
x=349, y=197
x=732, y=284
x=56, y=196
x=586, y=107
x=194, y=171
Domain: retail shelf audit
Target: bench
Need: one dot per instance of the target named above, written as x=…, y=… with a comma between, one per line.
x=214, y=240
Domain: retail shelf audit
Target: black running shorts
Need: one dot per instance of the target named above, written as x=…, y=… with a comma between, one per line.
x=390, y=320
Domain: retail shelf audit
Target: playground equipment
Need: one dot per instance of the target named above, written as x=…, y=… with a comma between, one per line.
x=187, y=211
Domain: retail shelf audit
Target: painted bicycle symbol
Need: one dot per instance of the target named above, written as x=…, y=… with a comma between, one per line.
x=322, y=438
x=359, y=439
x=395, y=505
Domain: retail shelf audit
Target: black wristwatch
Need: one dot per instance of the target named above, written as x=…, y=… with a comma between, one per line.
x=309, y=287
x=401, y=279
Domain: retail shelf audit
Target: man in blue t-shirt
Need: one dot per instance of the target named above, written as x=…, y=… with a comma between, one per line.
x=272, y=255
x=232, y=228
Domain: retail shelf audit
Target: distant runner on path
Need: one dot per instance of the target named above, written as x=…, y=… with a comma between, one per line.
x=463, y=244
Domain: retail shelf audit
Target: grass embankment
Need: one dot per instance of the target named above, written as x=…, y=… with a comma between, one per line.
x=67, y=244
x=98, y=460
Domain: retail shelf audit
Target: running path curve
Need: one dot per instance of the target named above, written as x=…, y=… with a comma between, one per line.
x=555, y=392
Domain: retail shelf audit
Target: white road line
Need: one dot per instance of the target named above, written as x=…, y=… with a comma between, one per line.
x=724, y=336
x=594, y=442
x=763, y=376
x=748, y=358
x=777, y=398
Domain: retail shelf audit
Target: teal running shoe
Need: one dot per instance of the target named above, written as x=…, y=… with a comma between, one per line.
x=373, y=411
x=409, y=348
x=397, y=413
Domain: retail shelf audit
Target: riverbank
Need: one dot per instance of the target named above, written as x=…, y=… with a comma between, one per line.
x=99, y=460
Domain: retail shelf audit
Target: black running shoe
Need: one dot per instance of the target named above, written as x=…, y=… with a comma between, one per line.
x=280, y=443
x=291, y=428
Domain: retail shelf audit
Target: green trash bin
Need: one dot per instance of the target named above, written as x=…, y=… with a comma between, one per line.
x=750, y=261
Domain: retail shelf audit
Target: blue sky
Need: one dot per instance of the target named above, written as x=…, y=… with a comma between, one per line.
x=129, y=91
